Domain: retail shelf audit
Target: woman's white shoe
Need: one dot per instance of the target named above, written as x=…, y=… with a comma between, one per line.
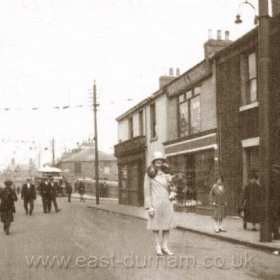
x=166, y=251
x=159, y=252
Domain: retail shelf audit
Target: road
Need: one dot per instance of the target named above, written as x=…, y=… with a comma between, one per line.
x=102, y=245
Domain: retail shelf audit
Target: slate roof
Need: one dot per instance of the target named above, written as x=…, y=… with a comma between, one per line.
x=88, y=155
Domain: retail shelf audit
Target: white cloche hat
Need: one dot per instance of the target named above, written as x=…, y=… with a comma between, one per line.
x=158, y=155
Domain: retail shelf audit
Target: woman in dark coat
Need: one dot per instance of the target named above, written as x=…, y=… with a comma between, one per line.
x=81, y=190
x=7, y=207
x=252, y=202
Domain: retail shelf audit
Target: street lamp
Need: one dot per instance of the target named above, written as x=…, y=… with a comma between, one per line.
x=238, y=19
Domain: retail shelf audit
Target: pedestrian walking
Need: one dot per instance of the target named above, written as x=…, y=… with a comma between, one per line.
x=103, y=189
x=68, y=190
x=81, y=190
x=54, y=187
x=218, y=201
x=160, y=209
x=28, y=194
x=252, y=202
x=7, y=207
x=45, y=193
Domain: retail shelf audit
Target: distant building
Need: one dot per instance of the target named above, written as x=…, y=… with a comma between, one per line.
x=19, y=172
x=80, y=164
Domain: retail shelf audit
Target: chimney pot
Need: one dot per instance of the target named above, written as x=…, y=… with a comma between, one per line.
x=177, y=72
x=219, y=34
x=209, y=34
x=227, y=35
x=170, y=71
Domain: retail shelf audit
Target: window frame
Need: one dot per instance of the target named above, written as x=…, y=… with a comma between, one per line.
x=247, y=80
x=153, y=121
x=189, y=102
x=130, y=127
x=141, y=123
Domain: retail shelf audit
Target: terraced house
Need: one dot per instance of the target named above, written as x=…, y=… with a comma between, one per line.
x=206, y=121
x=142, y=130
x=192, y=143
x=238, y=107
x=180, y=120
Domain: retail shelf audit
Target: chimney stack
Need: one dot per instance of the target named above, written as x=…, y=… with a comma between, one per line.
x=214, y=45
x=219, y=35
x=171, y=71
x=164, y=80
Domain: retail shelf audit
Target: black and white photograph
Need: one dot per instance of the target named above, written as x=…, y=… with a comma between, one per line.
x=139, y=139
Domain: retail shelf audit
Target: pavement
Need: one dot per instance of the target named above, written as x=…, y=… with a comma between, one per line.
x=198, y=224
x=92, y=197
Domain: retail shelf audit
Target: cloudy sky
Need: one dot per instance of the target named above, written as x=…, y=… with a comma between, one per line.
x=51, y=51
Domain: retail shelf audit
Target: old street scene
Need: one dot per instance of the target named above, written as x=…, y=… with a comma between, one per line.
x=139, y=139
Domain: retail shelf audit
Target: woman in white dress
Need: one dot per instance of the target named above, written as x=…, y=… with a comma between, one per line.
x=160, y=208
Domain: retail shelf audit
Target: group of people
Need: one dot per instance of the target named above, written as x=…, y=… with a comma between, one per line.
x=48, y=189
x=159, y=202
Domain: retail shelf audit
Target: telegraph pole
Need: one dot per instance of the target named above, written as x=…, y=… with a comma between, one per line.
x=95, y=105
x=264, y=110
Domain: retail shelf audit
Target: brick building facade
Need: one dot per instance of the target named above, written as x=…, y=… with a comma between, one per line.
x=81, y=165
x=238, y=115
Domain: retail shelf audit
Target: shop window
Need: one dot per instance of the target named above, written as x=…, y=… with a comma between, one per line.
x=153, y=121
x=78, y=168
x=248, y=73
x=189, y=113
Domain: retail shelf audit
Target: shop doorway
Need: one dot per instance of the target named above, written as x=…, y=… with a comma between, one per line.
x=131, y=184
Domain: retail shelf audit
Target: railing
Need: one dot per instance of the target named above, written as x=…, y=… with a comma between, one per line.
x=130, y=146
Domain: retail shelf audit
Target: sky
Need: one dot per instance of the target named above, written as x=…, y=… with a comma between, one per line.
x=51, y=51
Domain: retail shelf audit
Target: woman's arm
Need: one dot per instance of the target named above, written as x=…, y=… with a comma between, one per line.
x=212, y=195
x=147, y=192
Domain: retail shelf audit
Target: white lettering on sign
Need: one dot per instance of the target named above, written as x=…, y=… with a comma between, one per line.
x=188, y=79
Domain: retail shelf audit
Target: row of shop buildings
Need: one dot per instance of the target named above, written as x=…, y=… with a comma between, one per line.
x=205, y=121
